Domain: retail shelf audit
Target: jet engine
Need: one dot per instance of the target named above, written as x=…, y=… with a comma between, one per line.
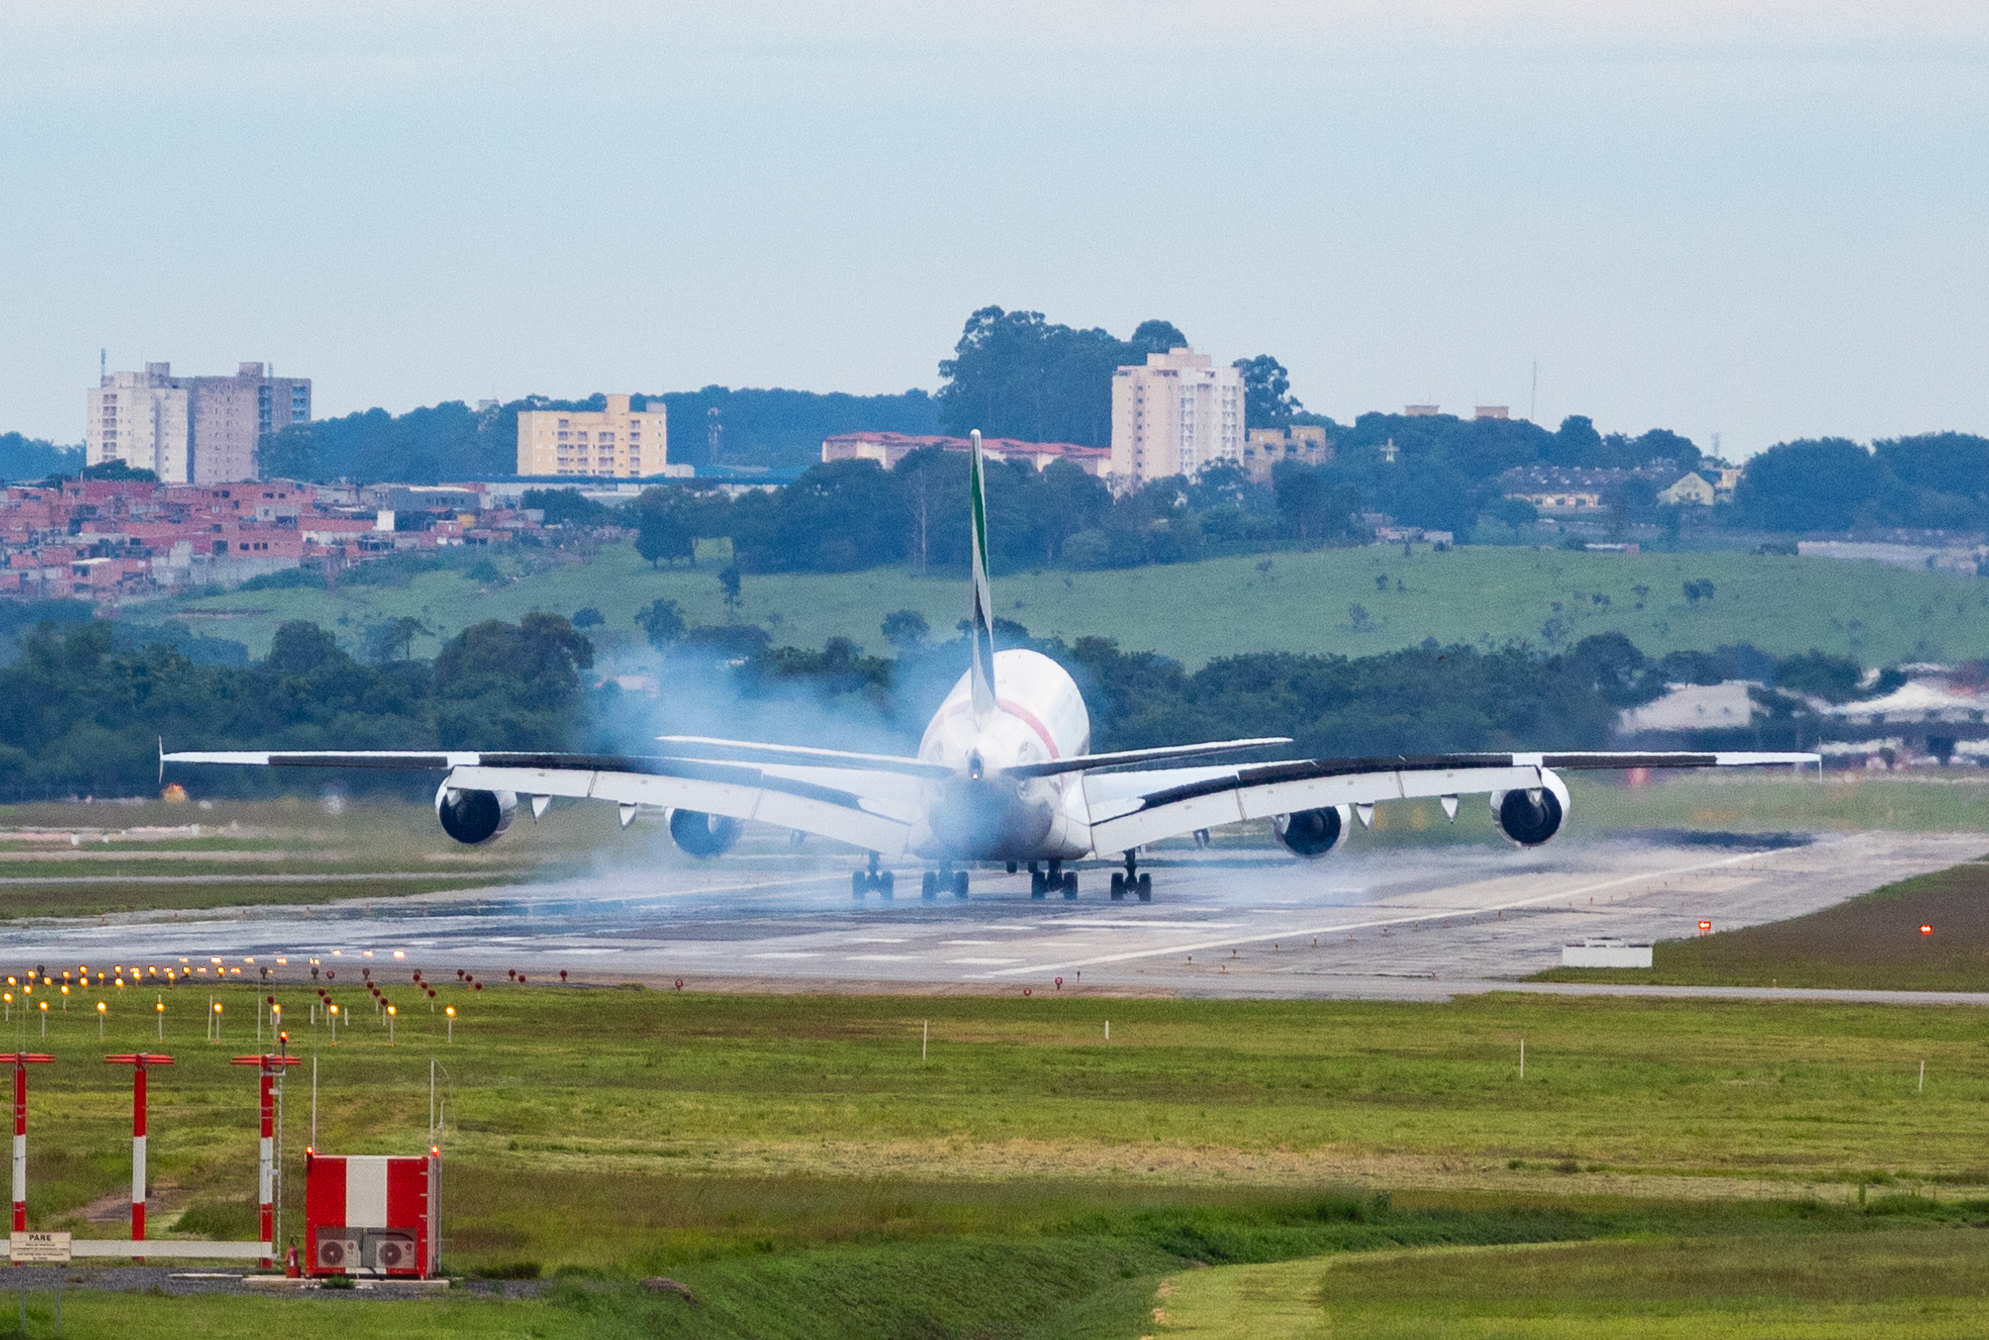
x=701, y=834
x=1530, y=817
x=474, y=817
x=1311, y=833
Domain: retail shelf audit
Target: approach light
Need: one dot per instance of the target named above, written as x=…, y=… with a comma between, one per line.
x=1925, y=929
x=1705, y=926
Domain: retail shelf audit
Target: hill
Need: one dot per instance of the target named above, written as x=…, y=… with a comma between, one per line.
x=1330, y=600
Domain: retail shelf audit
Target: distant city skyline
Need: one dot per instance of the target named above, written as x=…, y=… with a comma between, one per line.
x=1757, y=219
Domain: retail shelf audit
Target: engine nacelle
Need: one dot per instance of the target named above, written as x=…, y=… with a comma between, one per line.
x=701, y=834
x=1530, y=817
x=474, y=817
x=1311, y=833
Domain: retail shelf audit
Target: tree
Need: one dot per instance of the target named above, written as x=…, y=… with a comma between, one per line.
x=1016, y=374
x=587, y=617
x=1156, y=337
x=661, y=621
x=394, y=639
x=119, y=470
x=661, y=533
x=301, y=648
x=1267, y=398
x=905, y=629
x=728, y=585
x=565, y=507
x=1810, y=485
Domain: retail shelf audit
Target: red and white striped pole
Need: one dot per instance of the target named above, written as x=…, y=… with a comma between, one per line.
x=269, y=1067
x=138, y=1061
x=22, y=1060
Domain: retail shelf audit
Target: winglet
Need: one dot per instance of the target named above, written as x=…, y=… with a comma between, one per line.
x=982, y=631
x=162, y=760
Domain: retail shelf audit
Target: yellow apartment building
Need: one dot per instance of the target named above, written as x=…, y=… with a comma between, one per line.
x=612, y=443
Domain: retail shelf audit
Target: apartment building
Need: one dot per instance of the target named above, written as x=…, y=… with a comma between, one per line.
x=1173, y=416
x=612, y=443
x=190, y=430
x=1265, y=448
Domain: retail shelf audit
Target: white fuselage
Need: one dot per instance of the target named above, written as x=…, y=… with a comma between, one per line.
x=981, y=814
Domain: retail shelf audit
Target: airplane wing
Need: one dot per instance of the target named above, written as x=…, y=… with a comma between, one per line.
x=839, y=797
x=1131, y=809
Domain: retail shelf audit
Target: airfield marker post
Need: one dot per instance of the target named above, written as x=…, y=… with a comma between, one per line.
x=22, y=1060
x=1923, y=1077
x=268, y=1067
x=139, y=1062
x=1522, y=1058
x=925, y=1036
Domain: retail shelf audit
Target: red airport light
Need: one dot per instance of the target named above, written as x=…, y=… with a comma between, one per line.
x=1705, y=926
x=562, y=974
x=680, y=984
x=1925, y=929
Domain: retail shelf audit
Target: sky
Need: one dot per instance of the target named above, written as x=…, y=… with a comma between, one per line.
x=1758, y=219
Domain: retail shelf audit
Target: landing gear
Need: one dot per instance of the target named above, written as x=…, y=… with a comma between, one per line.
x=1042, y=882
x=871, y=880
x=935, y=880
x=1141, y=886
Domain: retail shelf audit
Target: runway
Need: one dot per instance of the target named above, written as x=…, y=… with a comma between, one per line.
x=1412, y=923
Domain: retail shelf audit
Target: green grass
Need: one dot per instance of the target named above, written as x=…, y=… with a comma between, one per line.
x=1870, y=612
x=1873, y=943
x=1898, y=1284
x=92, y=860
x=792, y=1160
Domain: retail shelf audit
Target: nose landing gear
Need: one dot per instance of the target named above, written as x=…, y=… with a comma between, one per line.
x=1140, y=886
x=871, y=880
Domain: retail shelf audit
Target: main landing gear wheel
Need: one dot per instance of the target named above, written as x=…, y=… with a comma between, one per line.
x=1132, y=882
x=1039, y=884
x=959, y=883
x=929, y=886
x=874, y=880
x=1070, y=886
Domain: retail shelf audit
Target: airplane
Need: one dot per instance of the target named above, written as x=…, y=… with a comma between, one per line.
x=1003, y=775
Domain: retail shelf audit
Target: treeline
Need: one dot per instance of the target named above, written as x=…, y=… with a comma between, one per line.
x=33, y=458
x=451, y=441
x=84, y=705
x=850, y=515
x=1936, y=481
x=83, y=710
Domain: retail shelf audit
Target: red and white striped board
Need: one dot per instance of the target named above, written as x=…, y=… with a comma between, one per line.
x=372, y=1214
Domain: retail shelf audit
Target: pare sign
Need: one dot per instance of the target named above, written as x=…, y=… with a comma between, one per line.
x=39, y=1249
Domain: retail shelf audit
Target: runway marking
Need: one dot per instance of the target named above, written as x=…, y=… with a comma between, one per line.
x=982, y=961
x=1229, y=941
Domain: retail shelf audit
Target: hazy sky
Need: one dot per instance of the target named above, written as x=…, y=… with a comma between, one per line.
x=1765, y=220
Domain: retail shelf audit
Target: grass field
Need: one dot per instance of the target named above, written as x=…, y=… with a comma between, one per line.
x=1874, y=942
x=1300, y=602
x=87, y=860
x=793, y=1160
x=1883, y=1284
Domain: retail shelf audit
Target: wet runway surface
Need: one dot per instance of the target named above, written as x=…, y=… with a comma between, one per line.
x=1230, y=921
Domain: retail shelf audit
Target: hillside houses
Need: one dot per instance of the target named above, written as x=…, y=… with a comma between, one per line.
x=110, y=541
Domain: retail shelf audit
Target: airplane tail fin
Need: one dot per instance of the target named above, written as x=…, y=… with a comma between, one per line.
x=983, y=629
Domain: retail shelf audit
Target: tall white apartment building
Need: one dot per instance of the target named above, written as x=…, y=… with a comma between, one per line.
x=1174, y=416
x=612, y=443
x=190, y=430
